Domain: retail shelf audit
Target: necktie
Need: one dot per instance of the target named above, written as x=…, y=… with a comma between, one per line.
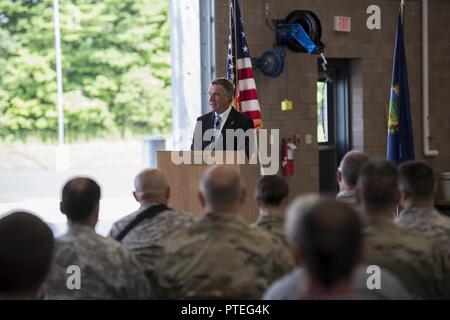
x=217, y=124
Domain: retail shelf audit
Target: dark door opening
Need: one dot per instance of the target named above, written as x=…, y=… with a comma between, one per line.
x=332, y=121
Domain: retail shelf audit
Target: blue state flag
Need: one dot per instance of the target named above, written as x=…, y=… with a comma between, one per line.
x=400, y=144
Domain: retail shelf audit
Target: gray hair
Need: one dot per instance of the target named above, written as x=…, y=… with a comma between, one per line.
x=351, y=166
x=226, y=84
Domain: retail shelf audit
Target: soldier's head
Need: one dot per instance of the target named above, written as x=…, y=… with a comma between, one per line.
x=220, y=94
x=80, y=199
x=327, y=239
x=417, y=184
x=26, y=249
x=349, y=168
x=378, y=187
x=221, y=189
x=272, y=192
x=151, y=187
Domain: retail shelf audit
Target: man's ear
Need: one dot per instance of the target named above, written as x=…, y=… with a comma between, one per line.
x=61, y=207
x=403, y=195
x=168, y=193
x=135, y=196
x=339, y=176
x=258, y=202
x=201, y=199
x=297, y=254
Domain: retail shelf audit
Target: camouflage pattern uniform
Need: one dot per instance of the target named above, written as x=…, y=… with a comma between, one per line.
x=148, y=238
x=432, y=224
x=220, y=257
x=417, y=262
x=428, y=222
x=108, y=270
x=272, y=224
x=348, y=197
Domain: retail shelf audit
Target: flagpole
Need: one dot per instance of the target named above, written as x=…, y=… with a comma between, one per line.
x=402, y=5
x=237, y=104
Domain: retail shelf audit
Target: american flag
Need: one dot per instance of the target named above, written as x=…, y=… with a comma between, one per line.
x=239, y=68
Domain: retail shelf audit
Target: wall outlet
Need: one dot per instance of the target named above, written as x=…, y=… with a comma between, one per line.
x=308, y=139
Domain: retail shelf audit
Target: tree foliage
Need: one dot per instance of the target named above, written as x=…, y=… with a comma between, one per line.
x=116, y=68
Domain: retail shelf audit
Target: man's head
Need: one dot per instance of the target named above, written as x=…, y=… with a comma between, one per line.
x=417, y=183
x=328, y=240
x=220, y=94
x=151, y=187
x=271, y=191
x=349, y=168
x=378, y=188
x=26, y=249
x=221, y=189
x=80, y=200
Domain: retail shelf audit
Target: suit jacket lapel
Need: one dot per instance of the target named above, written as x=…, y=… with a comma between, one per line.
x=209, y=122
x=231, y=121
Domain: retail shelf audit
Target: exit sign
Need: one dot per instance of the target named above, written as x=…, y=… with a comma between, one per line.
x=342, y=24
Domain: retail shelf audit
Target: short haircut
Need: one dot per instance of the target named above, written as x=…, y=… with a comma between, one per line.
x=26, y=250
x=295, y=213
x=330, y=240
x=272, y=190
x=227, y=84
x=79, y=197
x=223, y=189
x=351, y=165
x=417, y=178
x=379, y=184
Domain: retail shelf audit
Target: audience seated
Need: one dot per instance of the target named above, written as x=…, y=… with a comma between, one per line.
x=417, y=187
x=347, y=176
x=272, y=198
x=107, y=270
x=26, y=249
x=221, y=256
x=146, y=231
x=414, y=259
x=289, y=286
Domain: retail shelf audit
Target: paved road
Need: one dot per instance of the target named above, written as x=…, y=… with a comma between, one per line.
x=29, y=181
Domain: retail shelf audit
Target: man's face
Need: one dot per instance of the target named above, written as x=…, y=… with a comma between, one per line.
x=218, y=98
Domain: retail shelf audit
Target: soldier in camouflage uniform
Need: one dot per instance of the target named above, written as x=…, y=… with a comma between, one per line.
x=415, y=260
x=347, y=176
x=148, y=238
x=220, y=257
x=417, y=186
x=107, y=269
x=272, y=197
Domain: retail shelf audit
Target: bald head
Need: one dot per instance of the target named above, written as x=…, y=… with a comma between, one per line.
x=221, y=188
x=151, y=186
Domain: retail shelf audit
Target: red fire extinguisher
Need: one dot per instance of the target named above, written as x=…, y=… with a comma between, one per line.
x=288, y=158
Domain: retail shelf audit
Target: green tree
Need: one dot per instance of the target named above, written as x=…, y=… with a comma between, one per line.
x=115, y=62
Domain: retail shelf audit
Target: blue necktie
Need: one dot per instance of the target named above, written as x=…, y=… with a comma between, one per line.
x=217, y=123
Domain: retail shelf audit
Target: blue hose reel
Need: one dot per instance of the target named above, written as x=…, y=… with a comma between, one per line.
x=299, y=32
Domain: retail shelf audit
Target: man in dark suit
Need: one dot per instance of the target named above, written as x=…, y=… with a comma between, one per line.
x=218, y=129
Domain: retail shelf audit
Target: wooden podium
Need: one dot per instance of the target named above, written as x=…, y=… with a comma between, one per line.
x=183, y=178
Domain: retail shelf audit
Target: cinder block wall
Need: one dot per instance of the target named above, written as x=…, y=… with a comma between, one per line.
x=371, y=52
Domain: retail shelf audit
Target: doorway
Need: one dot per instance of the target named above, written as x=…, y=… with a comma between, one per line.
x=333, y=125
